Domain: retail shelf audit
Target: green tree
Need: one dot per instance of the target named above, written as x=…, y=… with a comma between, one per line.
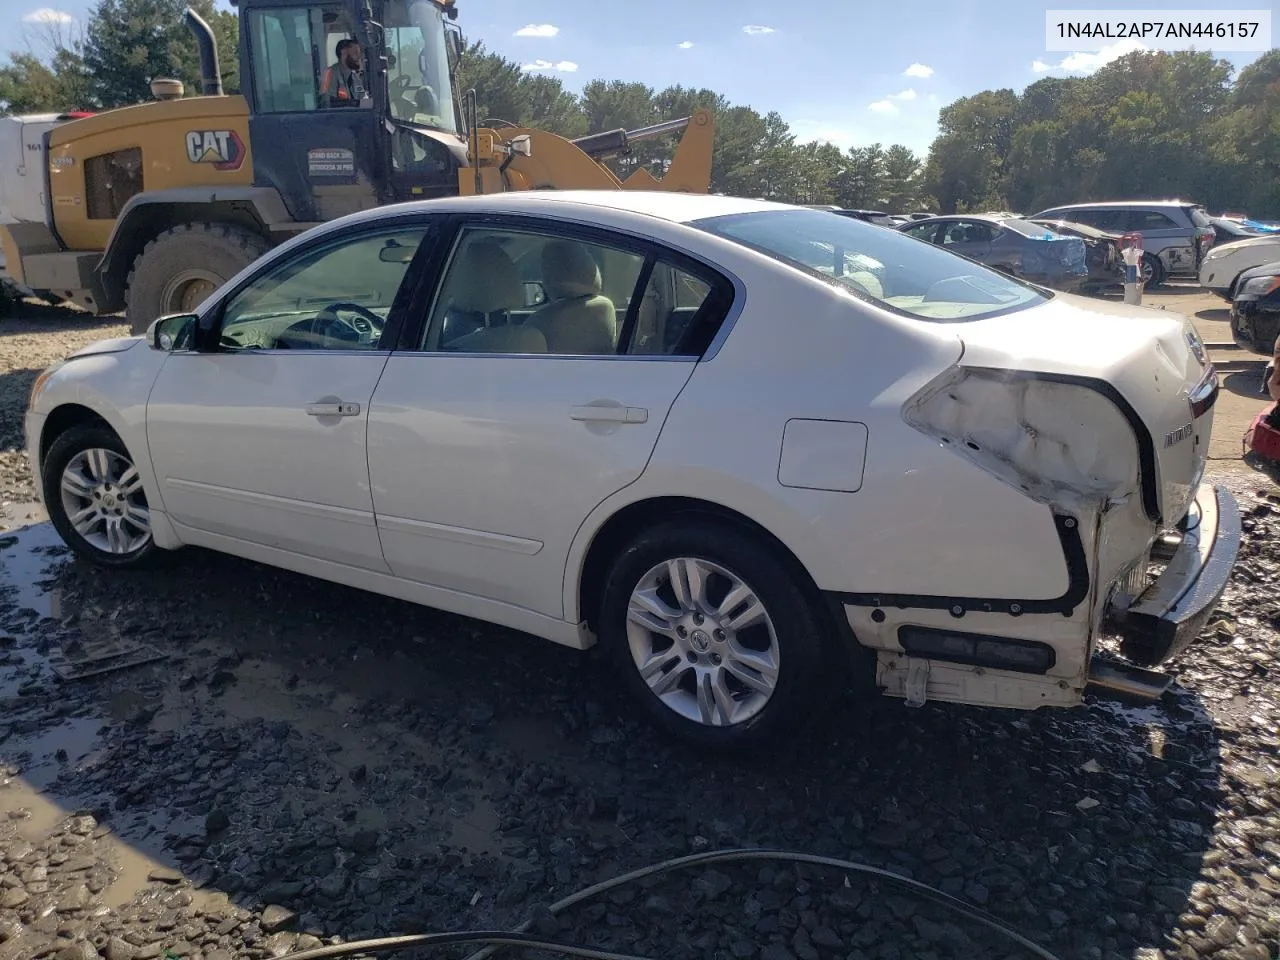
x=28, y=85
x=129, y=43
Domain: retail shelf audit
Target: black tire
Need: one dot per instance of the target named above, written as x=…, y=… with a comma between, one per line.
x=801, y=631
x=203, y=253
x=1157, y=271
x=67, y=446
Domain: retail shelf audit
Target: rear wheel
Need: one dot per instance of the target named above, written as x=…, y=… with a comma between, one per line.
x=1151, y=273
x=94, y=496
x=181, y=267
x=716, y=637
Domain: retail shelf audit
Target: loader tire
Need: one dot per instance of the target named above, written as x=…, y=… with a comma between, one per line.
x=182, y=266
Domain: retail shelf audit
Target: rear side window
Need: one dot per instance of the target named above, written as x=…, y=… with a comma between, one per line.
x=1150, y=220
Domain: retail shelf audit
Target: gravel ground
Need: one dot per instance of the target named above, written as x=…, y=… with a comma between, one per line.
x=310, y=763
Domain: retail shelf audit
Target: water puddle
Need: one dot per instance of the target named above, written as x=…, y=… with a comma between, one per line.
x=27, y=551
x=55, y=750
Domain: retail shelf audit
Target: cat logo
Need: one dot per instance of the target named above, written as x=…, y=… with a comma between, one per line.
x=222, y=148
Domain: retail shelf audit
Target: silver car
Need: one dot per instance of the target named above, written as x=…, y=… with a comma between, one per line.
x=1176, y=234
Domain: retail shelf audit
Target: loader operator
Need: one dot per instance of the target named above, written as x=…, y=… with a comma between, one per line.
x=341, y=84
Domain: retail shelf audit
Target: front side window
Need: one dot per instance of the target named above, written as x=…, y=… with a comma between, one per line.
x=923, y=232
x=337, y=297
x=878, y=265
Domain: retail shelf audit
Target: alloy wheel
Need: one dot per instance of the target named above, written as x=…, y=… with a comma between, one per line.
x=103, y=500
x=703, y=641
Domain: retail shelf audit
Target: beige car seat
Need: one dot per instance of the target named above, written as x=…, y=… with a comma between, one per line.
x=483, y=282
x=576, y=319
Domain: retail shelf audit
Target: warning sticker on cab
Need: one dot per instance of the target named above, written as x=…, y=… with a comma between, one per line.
x=331, y=162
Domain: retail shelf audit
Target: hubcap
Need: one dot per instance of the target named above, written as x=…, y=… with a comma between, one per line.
x=703, y=641
x=103, y=499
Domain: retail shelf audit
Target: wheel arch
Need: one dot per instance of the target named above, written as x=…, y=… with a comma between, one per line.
x=65, y=417
x=592, y=553
x=147, y=215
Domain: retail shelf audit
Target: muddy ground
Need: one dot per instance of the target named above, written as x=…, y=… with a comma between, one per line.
x=306, y=763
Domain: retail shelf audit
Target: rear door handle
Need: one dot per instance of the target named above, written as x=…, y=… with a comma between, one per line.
x=333, y=409
x=613, y=413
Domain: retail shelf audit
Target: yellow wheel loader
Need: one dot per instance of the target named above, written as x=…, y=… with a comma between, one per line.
x=346, y=104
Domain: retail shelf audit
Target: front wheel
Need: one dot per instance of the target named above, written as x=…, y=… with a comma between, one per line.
x=714, y=634
x=94, y=496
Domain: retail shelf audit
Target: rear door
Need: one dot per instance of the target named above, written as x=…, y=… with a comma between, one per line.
x=487, y=451
x=1176, y=245
x=970, y=238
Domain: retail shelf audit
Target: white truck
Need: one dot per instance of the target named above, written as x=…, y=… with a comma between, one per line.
x=23, y=186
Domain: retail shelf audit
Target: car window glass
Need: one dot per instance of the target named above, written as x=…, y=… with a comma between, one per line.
x=1026, y=227
x=1149, y=220
x=922, y=232
x=915, y=279
x=333, y=298
x=531, y=292
x=674, y=309
x=967, y=231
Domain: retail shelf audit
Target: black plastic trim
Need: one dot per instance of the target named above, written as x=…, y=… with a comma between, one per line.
x=48, y=193
x=1148, y=639
x=904, y=636
x=1077, y=587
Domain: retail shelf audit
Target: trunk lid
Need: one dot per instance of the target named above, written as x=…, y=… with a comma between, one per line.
x=1152, y=359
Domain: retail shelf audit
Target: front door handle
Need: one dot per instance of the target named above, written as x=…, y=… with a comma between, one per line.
x=612, y=413
x=333, y=409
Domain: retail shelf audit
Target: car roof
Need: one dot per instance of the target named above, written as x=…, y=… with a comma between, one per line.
x=1107, y=204
x=664, y=205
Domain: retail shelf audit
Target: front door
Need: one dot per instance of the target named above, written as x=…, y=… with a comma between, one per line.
x=537, y=389
x=263, y=439
x=312, y=125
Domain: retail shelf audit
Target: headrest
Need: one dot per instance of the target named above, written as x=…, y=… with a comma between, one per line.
x=569, y=271
x=485, y=279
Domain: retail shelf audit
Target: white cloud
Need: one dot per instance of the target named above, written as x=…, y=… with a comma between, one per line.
x=564, y=66
x=918, y=70
x=538, y=30
x=907, y=94
x=685, y=44
x=884, y=106
x=755, y=30
x=48, y=15
x=1089, y=62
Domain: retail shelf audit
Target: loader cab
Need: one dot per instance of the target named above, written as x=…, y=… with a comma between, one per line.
x=351, y=101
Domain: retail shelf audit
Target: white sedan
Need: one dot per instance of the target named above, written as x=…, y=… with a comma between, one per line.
x=756, y=452
x=1224, y=262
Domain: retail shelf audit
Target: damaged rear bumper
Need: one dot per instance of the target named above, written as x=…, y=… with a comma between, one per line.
x=1171, y=612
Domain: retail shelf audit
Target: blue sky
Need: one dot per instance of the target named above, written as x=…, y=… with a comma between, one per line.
x=852, y=73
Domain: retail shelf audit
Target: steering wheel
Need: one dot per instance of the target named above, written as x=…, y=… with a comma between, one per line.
x=399, y=85
x=327, y=325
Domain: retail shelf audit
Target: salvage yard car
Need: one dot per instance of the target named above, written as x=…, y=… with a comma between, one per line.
x=1009, y=244
x=735, y=444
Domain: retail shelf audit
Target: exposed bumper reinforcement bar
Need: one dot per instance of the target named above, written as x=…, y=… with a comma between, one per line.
x=1124, y=682
x=1170, y=614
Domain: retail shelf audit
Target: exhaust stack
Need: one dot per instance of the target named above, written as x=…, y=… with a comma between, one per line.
x=210, y=72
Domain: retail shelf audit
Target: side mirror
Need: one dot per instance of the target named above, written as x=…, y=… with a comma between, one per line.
x=176, y=332
x=534, y=294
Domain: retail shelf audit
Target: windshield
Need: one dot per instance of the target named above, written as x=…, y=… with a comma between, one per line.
x=418, y=73
x=909, y=276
